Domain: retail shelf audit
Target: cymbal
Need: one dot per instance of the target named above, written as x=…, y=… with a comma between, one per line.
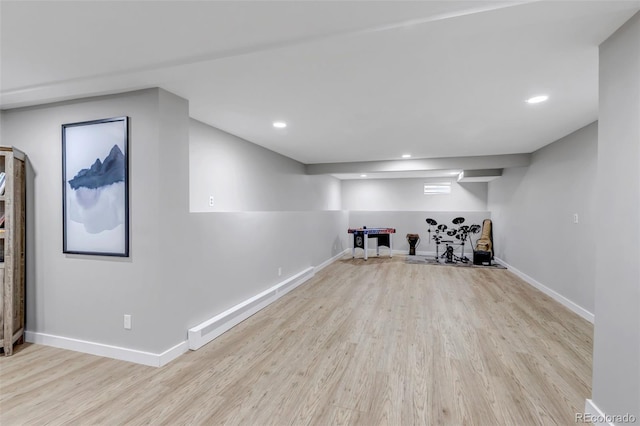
x=442, y=227
x=431, y=221
x=458, y=220
x=463, y=228
x=474, y=229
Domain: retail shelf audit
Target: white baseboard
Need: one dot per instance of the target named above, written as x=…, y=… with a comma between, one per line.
x=330, y=261
x=108, y=351
x=551, y=293
x=205, y=332
x=172, y=353
x=595, y=415
x=384, y=252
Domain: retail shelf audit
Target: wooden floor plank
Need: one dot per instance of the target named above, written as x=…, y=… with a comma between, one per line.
x=362, y=343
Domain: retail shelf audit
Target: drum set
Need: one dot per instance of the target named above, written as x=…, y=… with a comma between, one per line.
x=457, y=234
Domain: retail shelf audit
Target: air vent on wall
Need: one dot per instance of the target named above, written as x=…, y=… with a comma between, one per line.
x=434, y=188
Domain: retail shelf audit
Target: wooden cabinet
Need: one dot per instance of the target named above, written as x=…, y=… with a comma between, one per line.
x=12, y=247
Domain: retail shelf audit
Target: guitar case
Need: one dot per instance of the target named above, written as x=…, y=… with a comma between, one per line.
x=483, y=253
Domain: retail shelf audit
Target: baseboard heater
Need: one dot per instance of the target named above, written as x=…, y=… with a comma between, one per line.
x=203, y=333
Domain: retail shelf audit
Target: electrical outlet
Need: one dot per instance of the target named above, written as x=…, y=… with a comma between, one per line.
x=575, y=218
x=211, y=201
x=280, y=271
x=127, y=322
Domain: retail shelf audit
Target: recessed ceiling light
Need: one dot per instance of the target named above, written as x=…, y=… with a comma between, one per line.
x=363, y=175
x=406, y=155
x=279, y=124
x=537, y=99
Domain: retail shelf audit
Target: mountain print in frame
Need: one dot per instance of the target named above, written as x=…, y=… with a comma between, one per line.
x=95, y=187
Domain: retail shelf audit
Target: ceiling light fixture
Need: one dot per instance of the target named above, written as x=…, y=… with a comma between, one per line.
x=406, y=155
x=279, y=124
x=363, y=175
x=537, y=99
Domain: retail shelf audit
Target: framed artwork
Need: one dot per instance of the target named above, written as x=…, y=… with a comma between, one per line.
x=95, y=187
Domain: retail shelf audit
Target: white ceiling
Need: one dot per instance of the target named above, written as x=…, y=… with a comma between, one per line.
x=355, y=81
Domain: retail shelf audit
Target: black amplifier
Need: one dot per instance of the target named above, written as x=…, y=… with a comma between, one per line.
x=482, y=258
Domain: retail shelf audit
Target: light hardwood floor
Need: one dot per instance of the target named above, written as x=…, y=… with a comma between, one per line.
x=362, y=343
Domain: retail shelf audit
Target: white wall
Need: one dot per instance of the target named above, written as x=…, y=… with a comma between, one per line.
x=532, y=209
x=616, y=357
x=85, y=297
x=408, y=195
x=184, y=267
x=242, y=176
